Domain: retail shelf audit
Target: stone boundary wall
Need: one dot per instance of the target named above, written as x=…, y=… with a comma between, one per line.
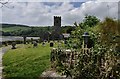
x=66, y=56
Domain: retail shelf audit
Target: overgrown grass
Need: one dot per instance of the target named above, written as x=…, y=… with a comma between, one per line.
x=26, y=61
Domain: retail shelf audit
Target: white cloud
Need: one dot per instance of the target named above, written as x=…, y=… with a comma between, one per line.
x=100, y=9
x=38, y=13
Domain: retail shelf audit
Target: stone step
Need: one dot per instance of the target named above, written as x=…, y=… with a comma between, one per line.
x=51, y=73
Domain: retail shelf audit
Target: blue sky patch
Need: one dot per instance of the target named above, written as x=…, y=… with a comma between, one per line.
x=76, y=4
x=52, y=3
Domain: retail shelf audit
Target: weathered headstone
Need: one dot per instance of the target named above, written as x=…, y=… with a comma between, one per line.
x=24, y=38
x=35, y=44
x=5, y=43
x=51, y=44
x=27, y=42
x=13, y=45
x=39, y=40
x=43, y=44
x=45, y=41
x=31, y=40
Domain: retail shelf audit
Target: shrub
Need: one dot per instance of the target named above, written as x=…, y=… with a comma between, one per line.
x=103, y=62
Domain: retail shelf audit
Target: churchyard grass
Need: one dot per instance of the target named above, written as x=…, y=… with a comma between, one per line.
x=26, y=61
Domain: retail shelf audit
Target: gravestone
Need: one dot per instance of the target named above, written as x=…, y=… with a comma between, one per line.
x=43, y=44
x=5, y=43
x=31, y=40
x=13, y=45
x=35, y=44
x=45, y=41
x=51, y=44
x=27, y=42
x=39, y=40
x=24, y=38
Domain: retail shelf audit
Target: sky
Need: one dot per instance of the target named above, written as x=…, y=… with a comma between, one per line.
x=42, y=13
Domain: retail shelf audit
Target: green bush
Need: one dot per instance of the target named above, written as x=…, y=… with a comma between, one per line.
x=103, y=62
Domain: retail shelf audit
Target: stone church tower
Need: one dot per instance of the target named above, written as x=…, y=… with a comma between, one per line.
x=56, y=33
x=57, y=24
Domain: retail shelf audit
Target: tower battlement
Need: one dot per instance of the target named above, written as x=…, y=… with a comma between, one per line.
x=57, y=16
x=57, y=22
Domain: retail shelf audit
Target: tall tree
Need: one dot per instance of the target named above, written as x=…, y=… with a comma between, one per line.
x=90, y=21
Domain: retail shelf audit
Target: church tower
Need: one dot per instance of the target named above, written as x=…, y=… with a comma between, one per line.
x=57, y=24
x=56, y=32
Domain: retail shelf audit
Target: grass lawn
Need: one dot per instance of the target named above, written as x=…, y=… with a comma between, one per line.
x=26, y=61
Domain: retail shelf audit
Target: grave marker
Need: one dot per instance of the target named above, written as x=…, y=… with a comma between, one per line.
x=51, y=44
x=24, y=38
x=13, y=45
x=35, y=44
x=43, y=44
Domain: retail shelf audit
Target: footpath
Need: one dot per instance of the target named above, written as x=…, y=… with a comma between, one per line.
x=2, y=51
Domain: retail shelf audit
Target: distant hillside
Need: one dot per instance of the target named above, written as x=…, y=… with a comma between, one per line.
x=12, y=25
x=21, y=30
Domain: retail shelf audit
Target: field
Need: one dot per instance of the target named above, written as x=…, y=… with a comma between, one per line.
x=26, y=61
x=14, y=28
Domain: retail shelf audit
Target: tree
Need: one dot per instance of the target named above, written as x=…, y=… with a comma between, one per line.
x=89, y=21
x=109, y=29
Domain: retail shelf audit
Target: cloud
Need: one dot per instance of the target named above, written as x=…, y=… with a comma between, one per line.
x=41, y=13
x=100, y=9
